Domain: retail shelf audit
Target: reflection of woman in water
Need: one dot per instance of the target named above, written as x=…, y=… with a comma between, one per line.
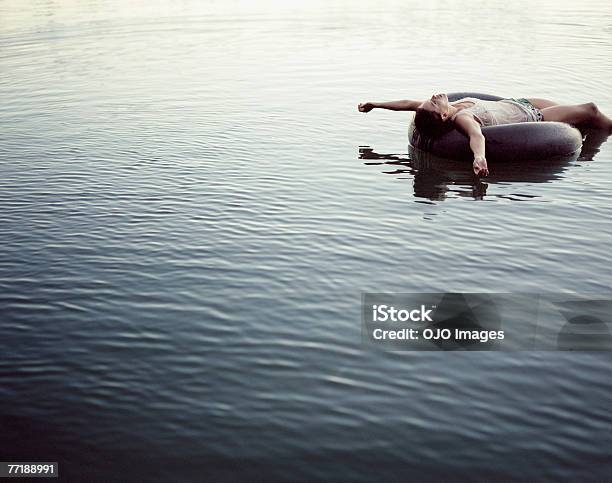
x=434, y=177
x=437, y=115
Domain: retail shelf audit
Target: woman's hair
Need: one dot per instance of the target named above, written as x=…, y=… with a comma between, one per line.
x=430, y=124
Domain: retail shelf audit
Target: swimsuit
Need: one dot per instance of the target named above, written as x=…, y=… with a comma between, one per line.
x=506, y=111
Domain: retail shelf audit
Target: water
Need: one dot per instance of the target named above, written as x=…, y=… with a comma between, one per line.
x=188, y=222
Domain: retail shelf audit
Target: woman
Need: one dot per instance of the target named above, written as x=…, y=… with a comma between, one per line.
x=436, y=116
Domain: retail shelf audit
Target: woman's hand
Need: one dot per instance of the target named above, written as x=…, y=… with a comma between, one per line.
x=404, y=105
x=480, y=166
x=467, y=123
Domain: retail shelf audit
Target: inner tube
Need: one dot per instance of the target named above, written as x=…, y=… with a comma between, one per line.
x=520, y=141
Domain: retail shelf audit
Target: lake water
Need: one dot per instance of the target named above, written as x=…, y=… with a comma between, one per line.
x=188, y=222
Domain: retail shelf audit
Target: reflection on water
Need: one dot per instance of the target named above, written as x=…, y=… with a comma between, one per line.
x=591, y=142
x=434, y=176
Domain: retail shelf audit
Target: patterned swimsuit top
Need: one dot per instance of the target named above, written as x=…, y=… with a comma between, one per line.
x=493, y=113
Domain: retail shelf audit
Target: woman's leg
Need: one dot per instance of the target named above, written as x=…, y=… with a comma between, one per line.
x=541, y=103
x=579, y=114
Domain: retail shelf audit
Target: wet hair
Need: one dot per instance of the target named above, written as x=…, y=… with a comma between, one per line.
x=430, y=124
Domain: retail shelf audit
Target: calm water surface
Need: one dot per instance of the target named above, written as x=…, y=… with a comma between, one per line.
x=187, y=222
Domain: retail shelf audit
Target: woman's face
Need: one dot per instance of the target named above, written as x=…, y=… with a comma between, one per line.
x=438, y=103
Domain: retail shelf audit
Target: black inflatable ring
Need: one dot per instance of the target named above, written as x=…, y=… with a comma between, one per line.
x=507, y=142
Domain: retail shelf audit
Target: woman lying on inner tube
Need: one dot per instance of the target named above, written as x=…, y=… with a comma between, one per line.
x=436, y=116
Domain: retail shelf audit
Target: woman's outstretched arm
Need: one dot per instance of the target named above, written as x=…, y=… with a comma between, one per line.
x=405, y=105
x=468, y=125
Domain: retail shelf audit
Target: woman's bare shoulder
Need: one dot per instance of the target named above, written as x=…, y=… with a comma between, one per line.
x=466, y=121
